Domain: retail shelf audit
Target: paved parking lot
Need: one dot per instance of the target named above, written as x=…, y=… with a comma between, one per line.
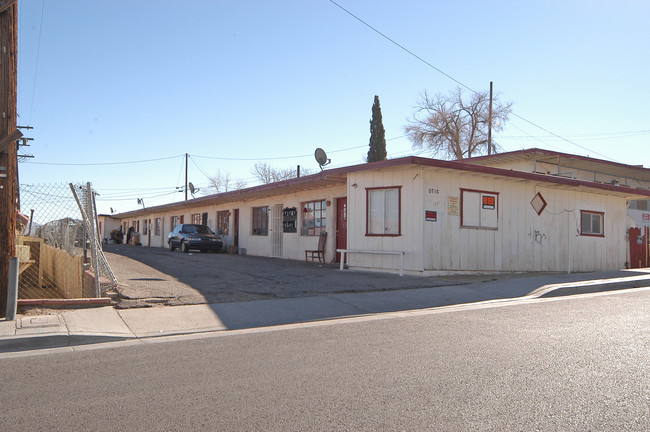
x=149, y=276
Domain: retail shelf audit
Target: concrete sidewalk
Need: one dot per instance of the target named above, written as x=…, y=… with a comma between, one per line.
x=106, y=324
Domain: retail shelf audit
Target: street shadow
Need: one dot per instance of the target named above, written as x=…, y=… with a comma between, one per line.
x=247, y=291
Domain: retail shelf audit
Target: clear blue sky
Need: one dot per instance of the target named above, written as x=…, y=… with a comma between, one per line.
x=232, y=83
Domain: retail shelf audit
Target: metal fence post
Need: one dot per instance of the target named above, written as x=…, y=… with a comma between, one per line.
x=93, y=235
x=12, y=289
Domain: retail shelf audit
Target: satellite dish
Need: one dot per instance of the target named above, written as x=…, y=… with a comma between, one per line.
x=321, y=157
x=192, y=188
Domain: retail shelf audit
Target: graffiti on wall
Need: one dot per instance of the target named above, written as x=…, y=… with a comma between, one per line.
x=536, y=236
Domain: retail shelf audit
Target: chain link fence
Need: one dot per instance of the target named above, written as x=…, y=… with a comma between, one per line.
x=58, y=249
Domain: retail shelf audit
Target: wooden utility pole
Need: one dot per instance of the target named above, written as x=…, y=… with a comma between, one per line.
x=490, y=123
x=8, y=141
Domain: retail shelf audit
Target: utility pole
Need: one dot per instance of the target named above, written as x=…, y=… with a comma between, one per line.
x=185, y=176
x=8, y=141
x=490, y=123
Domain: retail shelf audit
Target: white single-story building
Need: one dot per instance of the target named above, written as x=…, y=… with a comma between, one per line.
x=511, y=212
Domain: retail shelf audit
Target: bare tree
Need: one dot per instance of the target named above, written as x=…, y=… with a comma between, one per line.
x=222, y=182
x=453, y=128
x=267, y=174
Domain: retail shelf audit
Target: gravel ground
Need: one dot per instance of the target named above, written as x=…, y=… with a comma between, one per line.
x=155, y=276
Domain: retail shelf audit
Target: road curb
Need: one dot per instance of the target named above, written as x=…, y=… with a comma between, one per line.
x=590, y=287
x=67, y=333
x=21, y=343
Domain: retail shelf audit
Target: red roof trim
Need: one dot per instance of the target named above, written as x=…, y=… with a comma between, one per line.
x=564, y=155
x=408, y=160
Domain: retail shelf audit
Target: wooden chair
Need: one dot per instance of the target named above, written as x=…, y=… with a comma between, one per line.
x=320, y=252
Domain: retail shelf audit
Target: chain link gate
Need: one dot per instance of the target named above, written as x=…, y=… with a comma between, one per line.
x=58, y=246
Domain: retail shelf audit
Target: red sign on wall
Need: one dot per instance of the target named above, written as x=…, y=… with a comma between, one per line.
x=489, y=201
x=646, y=216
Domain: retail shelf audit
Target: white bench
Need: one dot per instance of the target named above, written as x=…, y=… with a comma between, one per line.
x=375, y=252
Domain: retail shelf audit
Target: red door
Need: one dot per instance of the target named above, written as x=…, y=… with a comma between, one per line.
x=639, y=245
x=235, y=233
x=341, y=225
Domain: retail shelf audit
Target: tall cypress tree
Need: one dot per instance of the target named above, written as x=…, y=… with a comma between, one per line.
x=377, y=144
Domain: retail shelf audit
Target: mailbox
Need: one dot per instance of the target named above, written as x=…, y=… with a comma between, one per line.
x=289, y=220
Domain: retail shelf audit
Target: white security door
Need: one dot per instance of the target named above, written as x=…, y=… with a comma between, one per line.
x=276, y=231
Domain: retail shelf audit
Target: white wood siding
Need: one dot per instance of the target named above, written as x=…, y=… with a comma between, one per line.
x=523, y=240
x=412, y=214
x=292, y=246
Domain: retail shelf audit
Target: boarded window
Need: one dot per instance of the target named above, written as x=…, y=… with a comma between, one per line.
x=479, y=209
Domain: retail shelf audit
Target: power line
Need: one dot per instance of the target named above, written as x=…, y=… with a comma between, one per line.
x=137, y=189
x=99, y=198
x=532, y=137
x=200, y=156
x=38, y=52
x=457, y=81
x=104, y=163
x=564, y=139
x=180, y=173
x=199, y=168
x=279, y=158
x=588, y=136
x=401, y=46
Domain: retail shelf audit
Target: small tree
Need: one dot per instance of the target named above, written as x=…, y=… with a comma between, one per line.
x=453, y=128
x=377, y=151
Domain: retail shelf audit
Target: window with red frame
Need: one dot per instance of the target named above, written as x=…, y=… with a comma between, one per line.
x=479, y=209
x=592, y=223
x=383, y=211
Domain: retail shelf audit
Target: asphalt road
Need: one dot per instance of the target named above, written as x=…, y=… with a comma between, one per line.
x=572, y=363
